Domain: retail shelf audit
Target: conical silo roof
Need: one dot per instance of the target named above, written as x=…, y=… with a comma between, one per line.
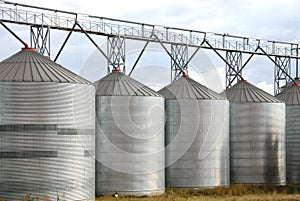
x=28, y=65
x=119, y=84
x=187, y=88
x=246, y=92
x=291, y=96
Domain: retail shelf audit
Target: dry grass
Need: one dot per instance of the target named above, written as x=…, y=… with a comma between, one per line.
x=233, y=193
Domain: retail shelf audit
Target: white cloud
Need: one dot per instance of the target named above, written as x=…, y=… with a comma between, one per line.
x=267, y=87
x=213, y=79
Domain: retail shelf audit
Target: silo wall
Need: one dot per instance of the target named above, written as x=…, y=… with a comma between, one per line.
x=257, y=143
x=130, y=145
x=292, y=144
x=197, y=143
x=47, y=140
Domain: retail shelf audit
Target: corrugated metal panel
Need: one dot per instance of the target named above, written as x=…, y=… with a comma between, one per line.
x=197, y=135
x=130, y=145
x=47, y=140
x=291, y=96
x=257, y=143
x=29, y=66
x=291, y=84
x=119, y=84
x=257, y=136
x=246, y=92
x=197, y=143
x=187, y=88
x=129, y=137
x=293, y=144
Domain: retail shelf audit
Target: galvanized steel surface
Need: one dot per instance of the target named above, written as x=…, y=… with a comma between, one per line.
x=130, y=145
x=119, y=84
x=187, y=88
x=257, y=136
x=47, y=134
x=246, y=92
x=197, y=143
x=28, y=65
x=293, y=144
x=197, y=135
x=291, y=96
x=257, y=143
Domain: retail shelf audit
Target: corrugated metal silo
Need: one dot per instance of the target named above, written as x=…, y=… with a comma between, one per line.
x=47, y=130
x=129, y=137
x=257, y=136
x=291, y=96
x=197, y=135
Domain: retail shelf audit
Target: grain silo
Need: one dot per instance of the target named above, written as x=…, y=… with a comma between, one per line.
x=291, y=96
x=129, y=137
x=257, y=136
x=47, y=130
x=197, y=135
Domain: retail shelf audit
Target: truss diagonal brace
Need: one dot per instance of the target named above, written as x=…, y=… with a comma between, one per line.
x=139, y=57
x=223, y=58
x=244, y=65
x=283, y=71
x=239, y=67
x=64, y=43
x=194, y=53
x=15, y=35
x=164, y=47
x=292, y=79
x=87, y=35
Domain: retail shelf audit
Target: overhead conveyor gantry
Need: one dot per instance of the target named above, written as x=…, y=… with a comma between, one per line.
x=42, y=20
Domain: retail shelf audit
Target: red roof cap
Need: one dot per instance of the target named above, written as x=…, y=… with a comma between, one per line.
x=296, y=84
x=116, y=70
x=185, y=75
x=28, y=48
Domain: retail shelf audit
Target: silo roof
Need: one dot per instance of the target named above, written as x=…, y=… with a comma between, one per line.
x=28, y=65
x=119, y=84
x=187, y=88
x=291, y=96
x=246, y=92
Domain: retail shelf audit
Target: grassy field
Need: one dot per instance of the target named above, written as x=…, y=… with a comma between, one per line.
x=233, y=193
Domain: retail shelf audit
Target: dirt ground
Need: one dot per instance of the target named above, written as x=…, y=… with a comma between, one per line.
x=233, y=193
x=278, y=197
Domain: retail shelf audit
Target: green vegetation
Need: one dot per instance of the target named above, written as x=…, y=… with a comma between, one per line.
x=237, y=192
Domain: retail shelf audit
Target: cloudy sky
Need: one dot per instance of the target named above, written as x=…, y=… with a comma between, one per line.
x=265, y=19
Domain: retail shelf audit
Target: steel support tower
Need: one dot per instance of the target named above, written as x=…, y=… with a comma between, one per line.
x=115, y=53
x=233, y=67
x=179, y=58
x=40, y=39
x=282, y=68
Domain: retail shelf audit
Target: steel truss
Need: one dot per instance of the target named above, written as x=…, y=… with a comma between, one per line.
x=282, y=68
x=42, y=20
x=179, y=53
x=233, y=67
x=116, y=53
x=40, y=39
